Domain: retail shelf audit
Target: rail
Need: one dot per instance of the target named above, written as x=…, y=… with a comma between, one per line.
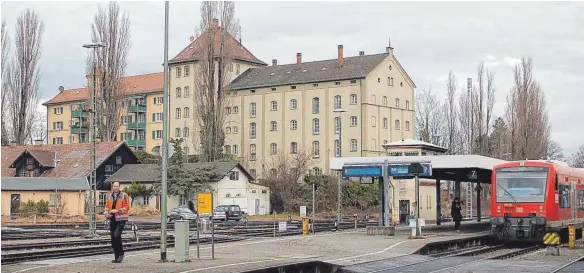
x=571, y=263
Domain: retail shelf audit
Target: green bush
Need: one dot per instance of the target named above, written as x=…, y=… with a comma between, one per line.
x=32, y=207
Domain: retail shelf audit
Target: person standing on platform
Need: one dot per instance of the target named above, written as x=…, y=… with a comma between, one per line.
x=456, y=214
x=117, y=208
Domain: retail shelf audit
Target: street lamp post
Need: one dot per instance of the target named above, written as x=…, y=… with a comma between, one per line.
x=340, y=111
x=92, y=129
x=164, y=153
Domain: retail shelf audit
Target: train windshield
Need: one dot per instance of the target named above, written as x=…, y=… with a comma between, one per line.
x=521, y=184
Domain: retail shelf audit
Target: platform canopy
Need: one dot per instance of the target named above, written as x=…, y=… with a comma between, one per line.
x=444, y=167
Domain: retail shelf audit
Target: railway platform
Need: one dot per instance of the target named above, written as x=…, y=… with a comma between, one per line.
x=338, y=248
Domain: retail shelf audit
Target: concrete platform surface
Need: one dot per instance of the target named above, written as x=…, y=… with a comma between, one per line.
x=341, y=248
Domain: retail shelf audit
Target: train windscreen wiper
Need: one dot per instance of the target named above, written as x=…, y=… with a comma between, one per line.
x=510, y=195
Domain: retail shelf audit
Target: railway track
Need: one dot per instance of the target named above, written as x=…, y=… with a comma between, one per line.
x=576, y=265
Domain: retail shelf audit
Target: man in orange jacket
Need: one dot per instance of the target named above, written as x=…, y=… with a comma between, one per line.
x=116, y=209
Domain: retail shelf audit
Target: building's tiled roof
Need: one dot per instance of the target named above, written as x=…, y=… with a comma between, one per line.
x=72, y=159
x=151, y=172
x=45, y=158
x=355, y=67
x=44, y=184
x=137, y=84
x=237, y=50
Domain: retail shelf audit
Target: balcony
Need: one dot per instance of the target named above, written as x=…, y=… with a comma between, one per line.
x=137, y=109
x=136, y=125
x=78, y=113
x=136, y=142
x=79, y=129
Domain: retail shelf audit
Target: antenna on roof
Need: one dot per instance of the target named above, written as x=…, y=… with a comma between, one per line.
x=239, y=33
x=61, y=88
x=389, y=41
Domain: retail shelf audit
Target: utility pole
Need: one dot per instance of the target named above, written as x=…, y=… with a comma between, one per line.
x=164, y=141
x=340, y=111
x=92, y=132
x=313, y=206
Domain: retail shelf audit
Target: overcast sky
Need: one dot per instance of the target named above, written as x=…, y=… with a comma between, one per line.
x=430, y=38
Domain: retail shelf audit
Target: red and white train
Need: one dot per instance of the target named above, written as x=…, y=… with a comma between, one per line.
x=530, y=198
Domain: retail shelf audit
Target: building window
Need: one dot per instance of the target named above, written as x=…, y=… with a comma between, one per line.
x=177, y=132
x=373, y=99
x=57, y=140
x=353, y=145
x=58, y=110
x=228, y=110
x=187, y=91
x=235, y=109
x=401, y=84
x=227, y=130
x=252, y=110
x=316, y=171
x=411, y=153
x=187, y=71
x=235, y=150
x=237, y=69
x=315, y=85
x=235, y=130
x=407, y=105
x=58, y=126
x=397, y=103
x=109, y=170
x=384, y=123
x=407, y=125
x=231, y=67
x=373, y=122
x=315, y=149
x=252, y=172
x=337, y=125
x=373, y=144
x=315, y=126
x=315, y=105
x=252, y=151
x=252, y=130
x=293, y=147
x=353, y=99
x=337, y=148
x=157, y=134
x=353, y=121
x=157, y=117
x=118, y=160
x=389, y=67
x=186, y=132
x=273, y=172
x=273, y=89
x=384, y=101
x=293, y=125
x=178, y=72
x=273, y=148
x=178, y=113
x=187, y=112
x=182, y=200
x=274, y=126
x=103, y=196
x=159, y=100
x=234, y=175
x=396, y=125
x=274, y=105
x=293, y=104
x=293, y=87
x=338, y=103
x=378, y=79
x=227, y=149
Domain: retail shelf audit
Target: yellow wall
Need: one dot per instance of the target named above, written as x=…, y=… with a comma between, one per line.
x=74, y=201
x=150, y=125
x=65, y=117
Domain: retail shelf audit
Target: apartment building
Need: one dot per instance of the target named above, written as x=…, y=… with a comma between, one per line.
x=141, y=113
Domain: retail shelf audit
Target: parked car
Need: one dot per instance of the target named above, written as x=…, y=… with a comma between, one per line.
x=232, y=212
x=181, y=213
x=218, y=214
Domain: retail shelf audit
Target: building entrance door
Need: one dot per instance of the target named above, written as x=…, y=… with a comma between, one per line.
x=404, y=210
x=14, y=203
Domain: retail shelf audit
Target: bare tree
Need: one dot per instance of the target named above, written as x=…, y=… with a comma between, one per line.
x=483, y=97
x=526, y=115
x=466, y=120
x=577, y=159
x=555, y=151
x=25, y=75
x=112, y=27
x=6, y=85
x=429, y=120
x=215, y=55
x=450, y=113
x=39, y=127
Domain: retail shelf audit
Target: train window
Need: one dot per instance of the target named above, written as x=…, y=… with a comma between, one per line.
x=565, y=196
x=581, y=200
x=556, y=182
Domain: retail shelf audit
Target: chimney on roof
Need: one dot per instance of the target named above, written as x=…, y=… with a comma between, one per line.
x=38, y=142
x=215, y=23
x=361, y=53
x=298, y=59
x=274, y=62
x=389, y=49
x=340, y=55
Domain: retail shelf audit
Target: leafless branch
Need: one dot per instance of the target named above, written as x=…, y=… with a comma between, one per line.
x=112, y=27
x=25, y=75
x=429, y=120
x=6, y=84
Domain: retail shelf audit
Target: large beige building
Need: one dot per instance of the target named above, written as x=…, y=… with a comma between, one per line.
x=346, y=106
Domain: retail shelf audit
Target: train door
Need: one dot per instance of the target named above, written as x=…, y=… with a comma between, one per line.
x=575, y=199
